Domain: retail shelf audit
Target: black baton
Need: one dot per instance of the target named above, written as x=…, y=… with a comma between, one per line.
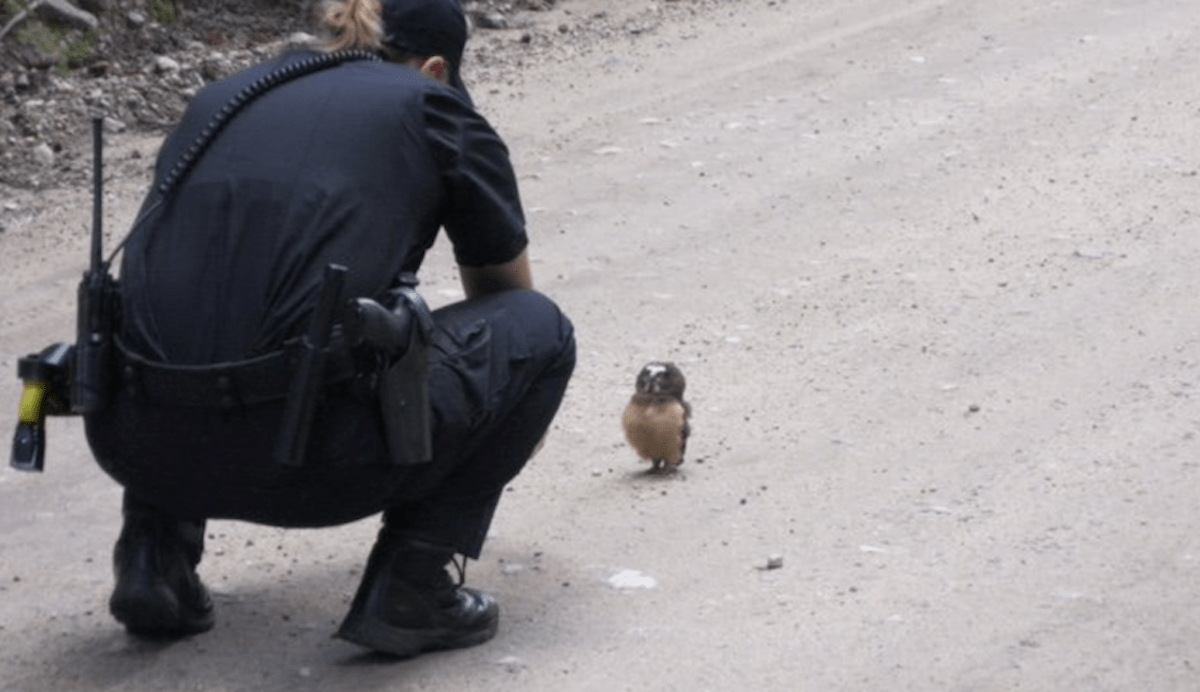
x=310, y=371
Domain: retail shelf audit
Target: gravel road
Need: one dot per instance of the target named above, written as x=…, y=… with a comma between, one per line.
x=927, y=265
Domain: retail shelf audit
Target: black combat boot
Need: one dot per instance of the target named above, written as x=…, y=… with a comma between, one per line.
x=407, y=603
x=158, y=592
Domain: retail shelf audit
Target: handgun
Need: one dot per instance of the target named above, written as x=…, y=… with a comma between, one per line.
x=402, y=336
x=365, y=321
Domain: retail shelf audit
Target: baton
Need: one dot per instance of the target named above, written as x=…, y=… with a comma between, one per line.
x=310, y=372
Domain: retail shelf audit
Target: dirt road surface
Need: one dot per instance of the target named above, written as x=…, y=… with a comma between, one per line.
x=931, y=269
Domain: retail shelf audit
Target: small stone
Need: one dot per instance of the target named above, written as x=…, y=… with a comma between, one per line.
x=44, y=155
x=135, y=19
x=215, y=67
x=300, y=38
x=64, y=12
x=512, y=664
x=632, y=579
x=164, y=64
x=491, y=20
x=775, y=561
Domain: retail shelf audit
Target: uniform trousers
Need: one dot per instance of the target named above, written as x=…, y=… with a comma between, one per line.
x=499, y=368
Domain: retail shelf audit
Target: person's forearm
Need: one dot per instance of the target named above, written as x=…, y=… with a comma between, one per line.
x=480, y=281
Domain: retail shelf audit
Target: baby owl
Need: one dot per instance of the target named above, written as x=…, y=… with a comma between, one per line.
x=656, y=419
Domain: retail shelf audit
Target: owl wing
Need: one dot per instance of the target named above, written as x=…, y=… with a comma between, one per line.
x=687, y=429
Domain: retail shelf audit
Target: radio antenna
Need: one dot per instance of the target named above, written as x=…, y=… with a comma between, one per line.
x=97, y=258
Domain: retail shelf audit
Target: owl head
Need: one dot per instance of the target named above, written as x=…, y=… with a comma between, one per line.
x=660, y=377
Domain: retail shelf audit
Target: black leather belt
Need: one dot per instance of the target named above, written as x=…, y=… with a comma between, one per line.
x=225, y=385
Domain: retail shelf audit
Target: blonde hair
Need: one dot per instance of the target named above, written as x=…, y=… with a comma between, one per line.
x=353, y=24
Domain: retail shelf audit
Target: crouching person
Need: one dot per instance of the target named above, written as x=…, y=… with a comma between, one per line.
x=353, y=156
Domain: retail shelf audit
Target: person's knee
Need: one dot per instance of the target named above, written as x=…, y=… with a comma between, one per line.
x=524, y=327
x=553, y=327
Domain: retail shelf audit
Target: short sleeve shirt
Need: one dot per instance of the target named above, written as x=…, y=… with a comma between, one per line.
x=358, y=164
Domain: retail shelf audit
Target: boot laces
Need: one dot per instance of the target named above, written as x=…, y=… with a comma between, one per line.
x=460, y=566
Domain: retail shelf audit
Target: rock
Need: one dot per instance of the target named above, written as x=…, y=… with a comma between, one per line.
x=491, y=20
x=95, y=6
x=632, y=579
x=43, y=155
x=135, y=19
x=299, y=39
x=215, y=67
x=165, y=65
x=113, y=126
x=63, y=12
x=512, y=664
x=134, y=101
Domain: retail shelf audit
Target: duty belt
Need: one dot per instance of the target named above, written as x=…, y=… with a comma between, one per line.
x=237, y=383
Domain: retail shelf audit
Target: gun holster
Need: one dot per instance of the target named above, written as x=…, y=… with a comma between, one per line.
x=403, y=386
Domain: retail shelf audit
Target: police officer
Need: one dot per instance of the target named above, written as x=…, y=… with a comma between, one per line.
x=356, y=160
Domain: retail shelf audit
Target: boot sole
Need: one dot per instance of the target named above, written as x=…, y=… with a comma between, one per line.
x=406, y=643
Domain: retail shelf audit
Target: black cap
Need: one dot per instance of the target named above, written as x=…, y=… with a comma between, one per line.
x=427, y=28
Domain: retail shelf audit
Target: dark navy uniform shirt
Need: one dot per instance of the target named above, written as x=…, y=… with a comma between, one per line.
x=359, y=164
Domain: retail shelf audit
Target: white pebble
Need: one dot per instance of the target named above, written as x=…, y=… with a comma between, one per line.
x=632, y=579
